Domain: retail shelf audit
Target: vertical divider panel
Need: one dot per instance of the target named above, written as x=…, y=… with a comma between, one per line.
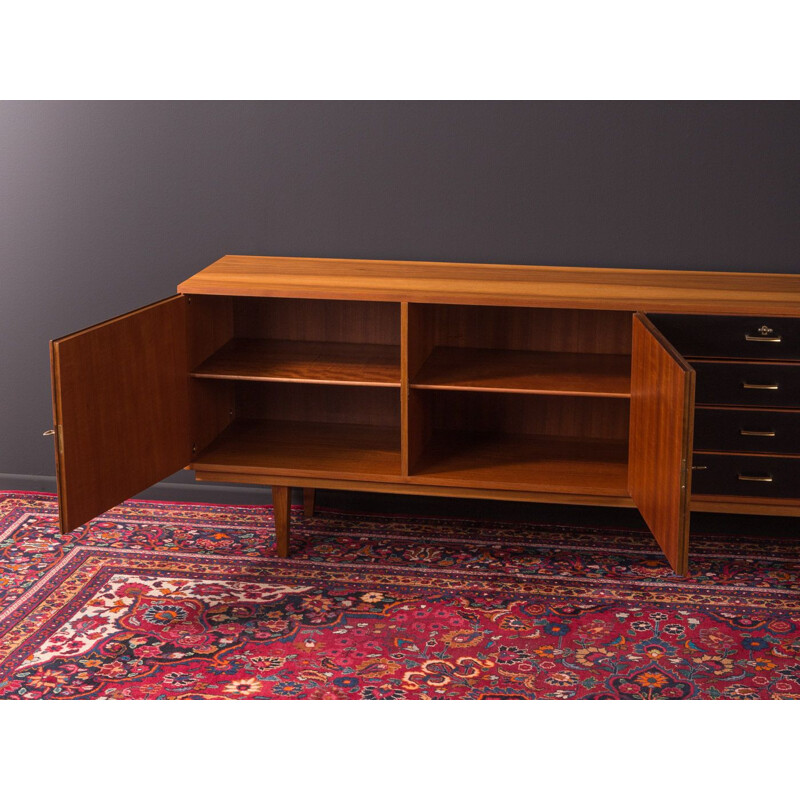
x=416, y=344
x=404, y=390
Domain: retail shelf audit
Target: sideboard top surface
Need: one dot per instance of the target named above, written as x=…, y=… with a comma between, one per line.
x=500, y=284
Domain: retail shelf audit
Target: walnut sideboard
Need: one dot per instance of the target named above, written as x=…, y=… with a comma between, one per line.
x=670, y=390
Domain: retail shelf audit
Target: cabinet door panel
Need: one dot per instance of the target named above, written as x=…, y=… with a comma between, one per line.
x=662, y=410
x=121, y=408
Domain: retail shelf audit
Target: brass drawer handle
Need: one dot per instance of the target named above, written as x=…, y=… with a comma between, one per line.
x=746, y=385
x=756, y=433
x=757, y=478
x=748, y=337
x=763, y=335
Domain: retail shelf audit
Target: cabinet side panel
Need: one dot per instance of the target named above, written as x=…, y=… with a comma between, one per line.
x=662, y=397
x=120, y=397
x=209, y=326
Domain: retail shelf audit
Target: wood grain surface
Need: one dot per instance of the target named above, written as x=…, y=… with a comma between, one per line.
x=533, y=463
x=121, y=408
x=309, y=498
x=280, y=447
x=209, y=325
x=281, y=509
x=523, y=371
x=317, y=320
x=553, y=330
x=292, y=361
x=527, y=414
x=662, y=410
x=310, y=402
x=406, y=487
x=498, y=284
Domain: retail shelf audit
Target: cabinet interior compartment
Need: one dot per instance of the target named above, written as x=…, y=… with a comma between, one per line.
x=308, y=429
x=525, y=350
x=555, y=444
x=295, y=340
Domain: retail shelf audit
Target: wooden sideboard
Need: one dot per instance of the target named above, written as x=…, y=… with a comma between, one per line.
x=670, y=390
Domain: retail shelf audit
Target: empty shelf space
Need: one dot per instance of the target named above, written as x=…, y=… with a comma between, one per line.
x=284, y=447
x=533, y=463
x=304, y=362
x=525, y=371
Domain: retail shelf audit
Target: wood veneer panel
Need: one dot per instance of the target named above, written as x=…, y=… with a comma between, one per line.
x=417, y=341
x=301, y=402
x=403, y=486
x=317, y=320
x=528, y=414
x=555, y=330
x=523, y=371
x=534, y=463
x=292, y=361
x=495, y=284
x=209, y=326
x=280, y=447
x=121, y=408
x=662, y=408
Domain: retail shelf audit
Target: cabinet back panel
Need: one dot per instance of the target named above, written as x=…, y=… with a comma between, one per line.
x=595, y=418
x=209, y=325
x=543, y=329
x=357, y=405
x=317, y=320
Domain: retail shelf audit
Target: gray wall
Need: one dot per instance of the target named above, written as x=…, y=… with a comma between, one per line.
x=105, y=206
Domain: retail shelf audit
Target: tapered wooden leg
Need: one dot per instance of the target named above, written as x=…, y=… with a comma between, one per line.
x=280, y=505
x=308, y=503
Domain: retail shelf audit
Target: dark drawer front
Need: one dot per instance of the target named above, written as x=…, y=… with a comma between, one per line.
x=748, y=384
x=739, y=430
x=705, y=336
x=746, y=476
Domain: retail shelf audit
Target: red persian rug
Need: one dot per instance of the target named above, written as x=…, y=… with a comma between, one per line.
x=162, y=600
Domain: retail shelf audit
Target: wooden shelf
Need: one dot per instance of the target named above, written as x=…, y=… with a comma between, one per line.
x=533, y=463
x=290, y=361
x=283, y=447
x=523, y=371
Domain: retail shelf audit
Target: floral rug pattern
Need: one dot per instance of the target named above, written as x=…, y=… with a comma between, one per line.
x=164, y=600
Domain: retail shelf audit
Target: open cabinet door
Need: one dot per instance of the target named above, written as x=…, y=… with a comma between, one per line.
x=121, y=408
x=662, y=413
